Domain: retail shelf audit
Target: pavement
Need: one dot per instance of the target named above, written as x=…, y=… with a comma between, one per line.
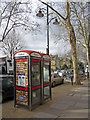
x=74, y=105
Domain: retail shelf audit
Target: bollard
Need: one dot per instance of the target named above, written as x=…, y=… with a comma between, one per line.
x=87, y=74
x=72, y=80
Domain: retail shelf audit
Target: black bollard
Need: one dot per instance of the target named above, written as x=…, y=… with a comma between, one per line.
x=87, y=74
x=72, y=80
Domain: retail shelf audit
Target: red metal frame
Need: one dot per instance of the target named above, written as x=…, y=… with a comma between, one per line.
x=34, y=88
x=22, y=88
x=48, y=84
x=35, y=60
x=19, y=60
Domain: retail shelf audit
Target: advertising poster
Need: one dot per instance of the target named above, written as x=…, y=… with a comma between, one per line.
x=21, y=72
x=22, y=81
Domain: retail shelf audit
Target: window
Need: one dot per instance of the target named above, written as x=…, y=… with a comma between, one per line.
x=35, y=73
x=36, y=96
x=36, y=81
x=46, y=72
x=46, y=80
x=46, y=92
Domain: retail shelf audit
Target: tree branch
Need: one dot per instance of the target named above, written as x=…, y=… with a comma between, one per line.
x=8, y=22
x=82, y=44
x=5, y=9
x=8, y=31
x=59, y=19
x=84, y=29
x=79, y=18
x=53, y=9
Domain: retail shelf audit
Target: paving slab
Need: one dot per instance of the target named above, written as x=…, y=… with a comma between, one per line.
x=80, y=105
x=53, y=111
x=81, y=113
x=0, y=111
x=44, y=115
x=60, y=106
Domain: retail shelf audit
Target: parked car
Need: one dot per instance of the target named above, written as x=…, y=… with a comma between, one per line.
x=87, y=71
x=70, y=71
x=6, y=88
x=56, y=71
x=82, y=72
x=62, y=73
x=56, y=79
x=68, y=75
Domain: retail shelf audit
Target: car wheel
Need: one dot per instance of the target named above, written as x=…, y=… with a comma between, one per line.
x=53, y=84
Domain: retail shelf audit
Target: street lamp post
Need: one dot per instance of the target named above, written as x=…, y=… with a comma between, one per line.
x=40, y=14
x=47, y=49
x=0, y=17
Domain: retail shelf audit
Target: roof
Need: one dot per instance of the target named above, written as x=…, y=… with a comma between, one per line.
x=29, y=52
x=1, y=57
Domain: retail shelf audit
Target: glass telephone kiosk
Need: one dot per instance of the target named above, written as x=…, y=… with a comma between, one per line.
x=32, y=78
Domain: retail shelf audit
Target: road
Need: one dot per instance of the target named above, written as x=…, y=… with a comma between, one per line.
x=58, y=93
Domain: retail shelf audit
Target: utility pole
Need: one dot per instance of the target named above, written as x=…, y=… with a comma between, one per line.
x=47, y=49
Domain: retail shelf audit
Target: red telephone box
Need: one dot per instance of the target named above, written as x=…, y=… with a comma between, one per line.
x=32, y=73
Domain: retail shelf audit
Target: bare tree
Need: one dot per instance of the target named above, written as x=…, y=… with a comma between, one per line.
x=0, y=18
x=12, y=43
x=15, y=14
x=66, y=22
x=81, y=18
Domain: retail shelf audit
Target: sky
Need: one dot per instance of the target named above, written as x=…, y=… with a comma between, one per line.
x=38, y=40
x=54, y=0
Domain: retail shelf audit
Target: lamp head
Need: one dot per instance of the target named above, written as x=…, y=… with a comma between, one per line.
x=40, y=14
x=56, y=22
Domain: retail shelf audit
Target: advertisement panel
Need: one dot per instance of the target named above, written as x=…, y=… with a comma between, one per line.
x=22, y=81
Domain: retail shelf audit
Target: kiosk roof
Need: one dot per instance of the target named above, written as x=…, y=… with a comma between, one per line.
x=30, y=53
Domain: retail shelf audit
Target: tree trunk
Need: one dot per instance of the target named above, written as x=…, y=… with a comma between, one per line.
x=73, y=44
x=74, y=53
x=88, y=54
x=88, y=60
